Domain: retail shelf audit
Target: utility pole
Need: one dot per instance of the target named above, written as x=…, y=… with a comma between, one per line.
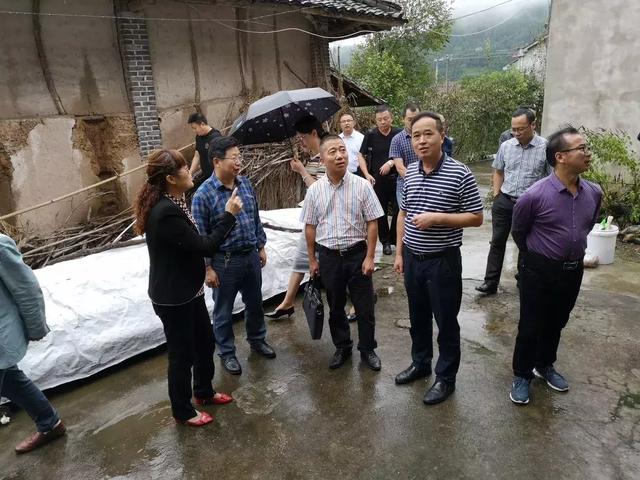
x=436, y=60
x=446, y=72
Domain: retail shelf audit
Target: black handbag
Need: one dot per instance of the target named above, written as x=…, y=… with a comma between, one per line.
x=313, y=307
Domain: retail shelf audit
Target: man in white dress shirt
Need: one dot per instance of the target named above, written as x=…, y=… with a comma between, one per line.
x=352, y=139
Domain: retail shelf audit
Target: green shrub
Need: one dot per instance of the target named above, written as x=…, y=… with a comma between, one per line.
x=616, y=168
x=479, y=109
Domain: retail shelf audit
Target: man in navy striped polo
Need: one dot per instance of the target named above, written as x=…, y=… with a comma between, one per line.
x=440, y=197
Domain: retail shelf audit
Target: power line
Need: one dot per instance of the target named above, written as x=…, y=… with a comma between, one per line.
x=213, y=20
x=483, y=10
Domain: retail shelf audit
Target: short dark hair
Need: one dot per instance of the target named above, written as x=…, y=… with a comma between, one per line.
x=527, y=112
x=412, y=107
x=197, y=117
x=556, y=142
x=308, y=124
x=328, y=137
x=219, y=146
x=383, y=108
x=428, y=114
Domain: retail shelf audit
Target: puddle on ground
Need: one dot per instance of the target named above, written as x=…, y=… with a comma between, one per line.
x=478, y=348
x=262, y=397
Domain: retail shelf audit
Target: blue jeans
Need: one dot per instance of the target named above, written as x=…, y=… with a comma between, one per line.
x=17, y=387
x=434, y=290
x=237, y=273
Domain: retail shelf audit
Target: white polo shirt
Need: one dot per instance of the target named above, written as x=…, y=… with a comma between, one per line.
x=353, y=143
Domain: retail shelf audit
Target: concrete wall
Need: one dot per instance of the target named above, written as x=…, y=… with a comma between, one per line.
x=593, y=65
x=48, y=148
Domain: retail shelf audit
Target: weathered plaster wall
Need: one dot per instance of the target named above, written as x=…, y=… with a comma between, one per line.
x=203, y=63
x=197, y=64
x=81, y=55
x=593, y=66
x=56, y=155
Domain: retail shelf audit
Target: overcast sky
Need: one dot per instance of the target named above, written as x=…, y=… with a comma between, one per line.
x=463, y=7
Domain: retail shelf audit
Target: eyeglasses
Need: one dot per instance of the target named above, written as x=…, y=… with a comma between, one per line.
x=520, y=129
x=584, y=148
x=236, y=158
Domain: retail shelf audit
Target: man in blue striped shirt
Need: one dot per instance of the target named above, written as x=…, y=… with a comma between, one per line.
x=401, y=153
x=440, y=197
x=236, y=267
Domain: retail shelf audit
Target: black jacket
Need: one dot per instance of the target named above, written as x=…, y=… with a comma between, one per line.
x=177, y=252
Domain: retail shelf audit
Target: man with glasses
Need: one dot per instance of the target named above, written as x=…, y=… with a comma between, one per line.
x=236, y=267
x=551, y=221
x=352, y=138
x=520, y=163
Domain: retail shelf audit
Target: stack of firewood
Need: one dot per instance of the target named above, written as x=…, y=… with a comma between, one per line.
x=268, y=168
x=65, y=243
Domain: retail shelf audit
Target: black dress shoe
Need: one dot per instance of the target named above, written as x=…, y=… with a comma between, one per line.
x=371, y=360
x=487, y=288
x=410, y=374
x=341, y=356
x=386, y=249
x=438, y=392
x=277, y=313
x=263, y=348
x=232, y=365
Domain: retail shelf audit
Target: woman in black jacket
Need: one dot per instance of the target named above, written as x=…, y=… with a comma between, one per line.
x=176, y=279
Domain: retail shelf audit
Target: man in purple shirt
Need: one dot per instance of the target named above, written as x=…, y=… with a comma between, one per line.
x=551, y=221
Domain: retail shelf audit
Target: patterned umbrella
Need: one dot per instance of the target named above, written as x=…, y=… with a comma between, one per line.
x=272, y=118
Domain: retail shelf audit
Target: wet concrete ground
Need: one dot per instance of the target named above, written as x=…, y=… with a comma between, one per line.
x=294, y=418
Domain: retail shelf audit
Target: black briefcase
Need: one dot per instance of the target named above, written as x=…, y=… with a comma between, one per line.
x=313, y=308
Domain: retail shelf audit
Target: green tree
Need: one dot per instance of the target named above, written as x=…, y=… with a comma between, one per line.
x=392, y=64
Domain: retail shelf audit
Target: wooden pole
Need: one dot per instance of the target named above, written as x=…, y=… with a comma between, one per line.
x=82, y=190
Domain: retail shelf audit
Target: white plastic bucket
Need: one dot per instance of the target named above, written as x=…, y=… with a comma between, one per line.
x=602, y=243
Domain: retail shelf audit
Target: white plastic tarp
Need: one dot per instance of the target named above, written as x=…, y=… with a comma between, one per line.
x=99, y=312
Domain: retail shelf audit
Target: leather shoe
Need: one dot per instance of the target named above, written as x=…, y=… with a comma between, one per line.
x=38, y=439
x=341, y=356
x=277, y=313
x=232, y=365
x=438, y=392
x=386, y=249
x=263, y=348
x=487, y=288
x=371, y=360
x=410, y=374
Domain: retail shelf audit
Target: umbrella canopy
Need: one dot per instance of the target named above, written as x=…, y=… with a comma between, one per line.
x=272, y=118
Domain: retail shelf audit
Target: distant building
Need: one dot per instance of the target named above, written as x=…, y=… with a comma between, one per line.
x=531, y=59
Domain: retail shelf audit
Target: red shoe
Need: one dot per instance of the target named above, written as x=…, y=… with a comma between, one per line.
x=203, y=419
x=217, y=399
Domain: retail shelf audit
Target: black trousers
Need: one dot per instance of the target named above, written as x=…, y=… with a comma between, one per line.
x=501, y=213
x=385, y=188
x=337, y=273
x=434, y=290
x=548, y=293
x=190, y=343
